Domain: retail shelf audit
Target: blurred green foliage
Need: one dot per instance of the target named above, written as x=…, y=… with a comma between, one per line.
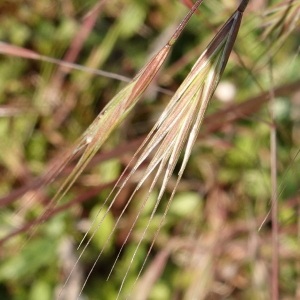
x=213, y=249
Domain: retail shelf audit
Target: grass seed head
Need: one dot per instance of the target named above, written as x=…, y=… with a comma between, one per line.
x=116, y=110
x=179, y=124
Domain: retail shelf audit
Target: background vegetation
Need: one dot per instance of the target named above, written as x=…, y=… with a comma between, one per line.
x=210, y=246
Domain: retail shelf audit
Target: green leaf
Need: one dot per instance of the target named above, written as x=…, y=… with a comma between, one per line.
x=40, y=290
x=185, y=204
x=105, y=229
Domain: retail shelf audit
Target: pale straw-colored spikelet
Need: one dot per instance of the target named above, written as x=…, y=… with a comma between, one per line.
x=177, y=128
x=112, y=115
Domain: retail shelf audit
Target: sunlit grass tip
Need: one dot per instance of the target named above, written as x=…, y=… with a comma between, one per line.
x=110, y=117
x=176, y=129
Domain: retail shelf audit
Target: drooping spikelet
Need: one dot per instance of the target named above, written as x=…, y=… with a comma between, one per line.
x=110, y=117
x=177, y=127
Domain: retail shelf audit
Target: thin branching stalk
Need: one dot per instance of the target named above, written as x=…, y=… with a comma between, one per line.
x=9, y=49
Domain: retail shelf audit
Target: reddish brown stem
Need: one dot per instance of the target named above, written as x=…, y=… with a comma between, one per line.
x=212, y=123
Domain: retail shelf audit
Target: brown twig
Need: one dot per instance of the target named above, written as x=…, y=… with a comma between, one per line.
x=212, y=123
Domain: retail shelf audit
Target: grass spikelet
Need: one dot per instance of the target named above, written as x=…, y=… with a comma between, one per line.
x=177, y=127
x=111, y=115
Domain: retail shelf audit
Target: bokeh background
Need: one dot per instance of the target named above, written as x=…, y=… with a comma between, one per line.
x=216, y=242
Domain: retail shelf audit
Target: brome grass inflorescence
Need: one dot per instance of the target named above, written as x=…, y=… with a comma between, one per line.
x=108, y=119
x=175, y=131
